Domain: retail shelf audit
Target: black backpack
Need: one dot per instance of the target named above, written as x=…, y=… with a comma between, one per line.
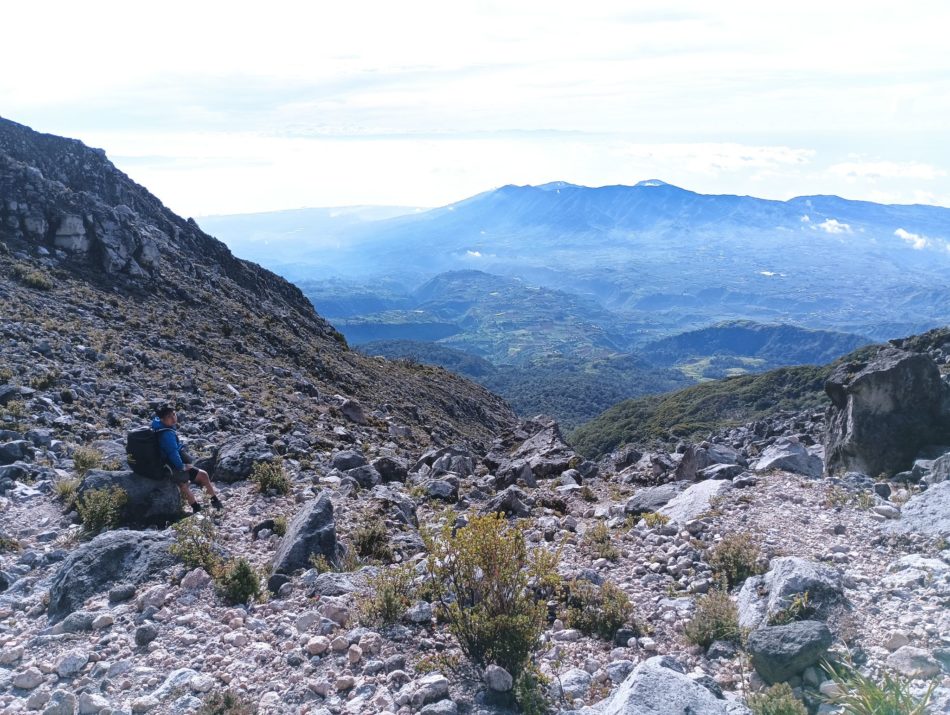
x=143, y=453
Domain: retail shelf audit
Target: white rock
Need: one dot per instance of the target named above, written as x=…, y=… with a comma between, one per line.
x=103, y=620
x=196, y=580
x=71, y=663
x=91, y=703
x=318, y=645
x=28, y=679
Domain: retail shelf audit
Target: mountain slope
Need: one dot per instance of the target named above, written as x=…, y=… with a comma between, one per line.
x=172, y=305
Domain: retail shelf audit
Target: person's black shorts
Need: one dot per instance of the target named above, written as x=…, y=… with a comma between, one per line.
x=183, y=477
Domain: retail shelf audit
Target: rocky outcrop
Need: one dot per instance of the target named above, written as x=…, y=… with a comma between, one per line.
x=763, y=597
x=884, y=411
x=128, y=557
x=236, y=458
x=789, y=454
x=148, y=501
x=311, y=533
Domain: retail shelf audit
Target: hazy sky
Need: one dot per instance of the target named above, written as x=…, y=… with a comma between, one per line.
x=226, y=107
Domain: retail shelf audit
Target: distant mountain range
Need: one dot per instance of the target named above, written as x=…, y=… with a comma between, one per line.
x=659, y=256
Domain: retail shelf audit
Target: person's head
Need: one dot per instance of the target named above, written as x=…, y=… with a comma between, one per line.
x=167, y=415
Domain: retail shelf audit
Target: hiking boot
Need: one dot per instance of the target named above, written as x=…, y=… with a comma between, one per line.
x=216, y=503
x=195, y=508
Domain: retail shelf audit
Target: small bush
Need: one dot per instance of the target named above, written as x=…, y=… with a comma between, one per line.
x=321, y=563
x=227, y=703
x=280, y=525
x=587, y=494
x=86, y=459
x=372, y=542
x=101, y=509
x=194, y=544
x=270, y=475
x=8, y=543
x=777, y=700
x=65, y=490
x=862, y=695
x=734, y=559
x=390, y=594
x=654, y=519
x=598, y=540
x=531, y=692
x=484, y=570
x=597, y=610
x=6, y=374
x=45, y=381
x=716, y=618
x=238, y=582
x=33, y=278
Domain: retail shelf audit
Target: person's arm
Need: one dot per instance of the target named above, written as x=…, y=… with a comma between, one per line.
x=169, y=446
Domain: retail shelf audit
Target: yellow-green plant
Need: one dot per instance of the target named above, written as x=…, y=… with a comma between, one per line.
x=597, y=610
x=85, y=459
x=598, y=540
x=859, y=694
x=194, y=544
x=238, y=582
x=654, y=519
x=734, y=559
x=101, y=509
x=777, y=700
x=372, y=542
x=270, y=475
x=65, y=490
x=390, y=593
x=484, y=569
x=715, y=618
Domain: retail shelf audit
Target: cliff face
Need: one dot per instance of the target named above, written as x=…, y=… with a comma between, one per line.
x=120, y=269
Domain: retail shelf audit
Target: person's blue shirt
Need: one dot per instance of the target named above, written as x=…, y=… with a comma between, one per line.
x=168, y=444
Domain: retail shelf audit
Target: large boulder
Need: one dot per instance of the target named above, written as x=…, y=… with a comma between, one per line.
x=148, y=501
x=696, y=499
x=659, y=686
x=546, y=452
x=694, y=459
x=312, y=532
x=883, y=411
x=652, y=498
x=790, y=455
x=779, y=652
x=129, y=557
x=236, y=458
x=762, y=597
x=926, y=513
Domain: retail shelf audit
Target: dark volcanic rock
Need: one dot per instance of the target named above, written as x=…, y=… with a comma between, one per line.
x=129, y=557
x=150, y=501
x=313, y=531
x=884, y=411
x=779, y=652
x=236, y=458
x=391, y=469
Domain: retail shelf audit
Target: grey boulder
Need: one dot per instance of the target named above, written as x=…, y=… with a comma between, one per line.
x=658, y=686
x=927, y=513
x=129, y=557
x=790, y=455
x=312, y=532
x=779, y=652
x=652, y=498
x=236, y=458
x=694, y=500
x=148, y=501
x=762, y=597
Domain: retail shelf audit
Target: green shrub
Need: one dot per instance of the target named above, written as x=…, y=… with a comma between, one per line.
x=101, y=509
x=33, y=278
x=597, y=610
x=229, y=702
x=861, y=695
x=238, y=582
x=390, y=593
x=194, y=544
x=531, y=692
x=716, y=618
x=86, y=459
x=280, y=525
x=484, y=570
x=598, y=540
x=8, y=543
x=45, y=381
x=270, y=475
x=372, y=542
x=6, y=374
x=777, y=700
x=734, y=559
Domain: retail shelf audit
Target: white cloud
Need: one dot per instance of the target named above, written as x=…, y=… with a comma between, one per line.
x=806, y=219
x=886, y=170
x=916, y=241
x=473, y=254
x=832, y=225
x=716, y=157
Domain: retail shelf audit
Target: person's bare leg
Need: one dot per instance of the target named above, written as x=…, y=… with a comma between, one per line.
x=186, y=493
x=204, y=481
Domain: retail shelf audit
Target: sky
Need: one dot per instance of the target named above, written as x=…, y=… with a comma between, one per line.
x=237, y=107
